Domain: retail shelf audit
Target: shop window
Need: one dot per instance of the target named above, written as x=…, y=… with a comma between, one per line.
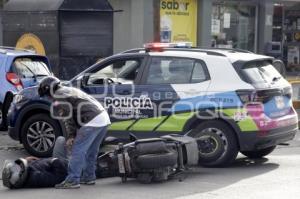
x=234, y=26
x=277, y=22
x=291, y=36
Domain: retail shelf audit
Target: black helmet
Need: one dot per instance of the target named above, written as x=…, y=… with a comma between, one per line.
x=15, y=173
x=48, y=85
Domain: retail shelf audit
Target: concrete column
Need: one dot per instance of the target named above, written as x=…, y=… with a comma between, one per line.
x=265, y=21
x=149, y=18
x=204, y=23
x=142, y=22
x=121, y=26
x=134, y=25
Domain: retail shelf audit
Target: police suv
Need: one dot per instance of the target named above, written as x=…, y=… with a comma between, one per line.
x=230, y=100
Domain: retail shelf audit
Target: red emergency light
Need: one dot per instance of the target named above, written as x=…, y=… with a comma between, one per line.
x=159, y=47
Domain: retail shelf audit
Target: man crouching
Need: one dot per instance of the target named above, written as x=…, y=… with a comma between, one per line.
x=86, y=122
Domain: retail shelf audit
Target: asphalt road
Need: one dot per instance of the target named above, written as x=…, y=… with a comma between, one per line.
x=277, y=176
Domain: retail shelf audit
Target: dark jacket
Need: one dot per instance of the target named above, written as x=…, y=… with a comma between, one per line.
x=83, y=107
x=46, y=172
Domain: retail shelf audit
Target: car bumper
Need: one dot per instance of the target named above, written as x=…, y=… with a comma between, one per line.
x=12, y=130
x=13, y=133
x=250, y=141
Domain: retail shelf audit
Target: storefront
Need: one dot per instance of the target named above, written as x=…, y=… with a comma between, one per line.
x=270, y=27
x=234, y=25
x=178, y=21
x=205, y=23
x=286, y=31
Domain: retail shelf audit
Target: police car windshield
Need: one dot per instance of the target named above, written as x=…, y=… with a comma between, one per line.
x=120, y=71
x=127, y=70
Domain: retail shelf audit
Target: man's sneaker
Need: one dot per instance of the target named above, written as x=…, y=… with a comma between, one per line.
x=88, y=182
x=67, y=185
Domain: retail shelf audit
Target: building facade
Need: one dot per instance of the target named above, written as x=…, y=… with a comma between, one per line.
x=269, y=27
x=263, y=26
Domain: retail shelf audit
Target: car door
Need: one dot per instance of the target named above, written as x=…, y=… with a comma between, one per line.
x=115, y=83
x=175, y=86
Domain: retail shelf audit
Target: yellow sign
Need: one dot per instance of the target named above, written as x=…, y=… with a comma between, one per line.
x=31, y=42
x=178, y=21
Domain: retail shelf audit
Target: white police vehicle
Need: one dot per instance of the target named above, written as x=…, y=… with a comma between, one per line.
x=230, y=100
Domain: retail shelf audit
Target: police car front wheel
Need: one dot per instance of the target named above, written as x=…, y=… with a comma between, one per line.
x=1, y=115
x=39, y=133
x=217, y=143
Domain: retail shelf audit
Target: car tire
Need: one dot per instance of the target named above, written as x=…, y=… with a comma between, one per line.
x=4, y=111
x=38, y=135
x=1, y=117
x=258, y=153
x=217, y=143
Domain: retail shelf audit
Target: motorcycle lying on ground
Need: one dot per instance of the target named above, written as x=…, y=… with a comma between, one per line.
x=150, y=160
x=147, y=160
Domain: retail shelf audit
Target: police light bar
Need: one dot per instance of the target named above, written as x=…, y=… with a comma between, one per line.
x=160, y=46
x=184, y=45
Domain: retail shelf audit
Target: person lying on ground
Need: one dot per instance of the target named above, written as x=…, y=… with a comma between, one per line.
x=33, y=172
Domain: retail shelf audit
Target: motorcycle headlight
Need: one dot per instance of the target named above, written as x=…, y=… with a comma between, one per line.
x=18, y=99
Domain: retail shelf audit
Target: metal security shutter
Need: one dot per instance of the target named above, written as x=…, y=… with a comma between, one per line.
x=75, y=33
x=86, y=33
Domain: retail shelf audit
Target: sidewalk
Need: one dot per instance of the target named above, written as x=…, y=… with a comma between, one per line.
x=6, y=143
x=293, y=76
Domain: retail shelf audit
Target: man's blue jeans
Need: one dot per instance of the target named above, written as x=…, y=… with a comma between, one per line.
x=84, y=154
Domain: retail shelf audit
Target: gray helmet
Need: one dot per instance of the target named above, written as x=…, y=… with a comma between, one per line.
x=15, y=173
x=48, y=85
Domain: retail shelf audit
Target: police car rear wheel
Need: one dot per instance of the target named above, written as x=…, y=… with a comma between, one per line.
x=216, y=143
x=39, y=133
x=1, y=115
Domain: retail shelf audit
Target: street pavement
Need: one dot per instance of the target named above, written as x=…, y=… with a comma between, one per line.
x=276, y=176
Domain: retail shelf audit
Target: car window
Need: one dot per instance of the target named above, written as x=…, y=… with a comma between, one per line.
x=30, y=67
x=261, y=72
x=199, y=74
x=168, y=70
x=121, y=71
